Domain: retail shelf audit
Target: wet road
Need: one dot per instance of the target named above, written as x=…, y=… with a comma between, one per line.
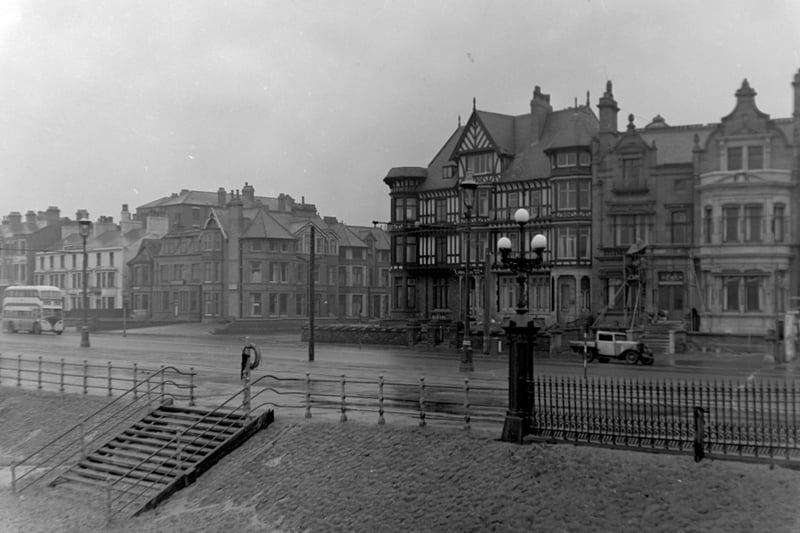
x=216, y=360
x=217, y=357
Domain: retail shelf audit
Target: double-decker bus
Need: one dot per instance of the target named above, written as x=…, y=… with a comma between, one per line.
x=33, y=308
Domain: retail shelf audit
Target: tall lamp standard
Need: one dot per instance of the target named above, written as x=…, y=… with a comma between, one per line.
x=85, y=228
x=468, y=186
x=521, y=333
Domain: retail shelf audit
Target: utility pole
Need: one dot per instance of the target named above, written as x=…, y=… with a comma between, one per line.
x=311, y=294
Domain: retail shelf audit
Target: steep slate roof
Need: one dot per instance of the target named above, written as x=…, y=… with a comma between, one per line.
x=675, y=144
x=220, y=216
x=441, y=159
x=264, y=226
x=570, y=127
x=148, y=249
x=108, y=239
x=348, y=237
x=202, y=198
x=73, y=239
x=512, y=135
x=380, y=236
x=501, y=130
x=294, y=223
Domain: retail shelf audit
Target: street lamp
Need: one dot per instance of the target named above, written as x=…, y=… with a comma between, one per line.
x=468, y=186
x=521, y=333
x=85, y=228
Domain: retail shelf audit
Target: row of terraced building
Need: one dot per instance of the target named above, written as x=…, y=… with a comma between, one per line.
x=204, y=256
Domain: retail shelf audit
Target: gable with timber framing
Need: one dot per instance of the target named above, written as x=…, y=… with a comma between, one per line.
x=476, y=152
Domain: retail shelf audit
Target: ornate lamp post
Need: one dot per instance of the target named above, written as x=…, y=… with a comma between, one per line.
x=521, y=333
x=468, y=186
x=85, y=228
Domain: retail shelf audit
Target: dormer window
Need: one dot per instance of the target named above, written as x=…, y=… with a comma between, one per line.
x=448, y=172
x=566, y=159
x=631, y=170
x=750, y=157
x=755, y=157
x=735, y=158
x=571, y=158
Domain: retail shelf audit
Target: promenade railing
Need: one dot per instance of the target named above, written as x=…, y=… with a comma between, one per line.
x=93, y=378
x=755, y=418
x=464, y=404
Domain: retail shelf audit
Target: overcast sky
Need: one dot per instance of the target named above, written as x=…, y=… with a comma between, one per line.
x=106, y=102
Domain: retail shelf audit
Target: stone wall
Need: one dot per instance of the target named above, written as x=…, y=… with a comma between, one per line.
x=729, y=343
x=447, y=339
x=358, y=334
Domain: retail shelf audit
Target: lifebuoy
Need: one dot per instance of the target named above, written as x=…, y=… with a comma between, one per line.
x=255, y=358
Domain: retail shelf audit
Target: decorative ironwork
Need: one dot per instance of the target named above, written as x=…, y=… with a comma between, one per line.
x=740, y=418
x=521, y=333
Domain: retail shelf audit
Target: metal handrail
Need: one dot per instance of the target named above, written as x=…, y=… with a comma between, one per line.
x=178, y=441
x=110, y=411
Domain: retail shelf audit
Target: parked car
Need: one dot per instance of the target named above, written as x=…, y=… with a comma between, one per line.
x=609, y=345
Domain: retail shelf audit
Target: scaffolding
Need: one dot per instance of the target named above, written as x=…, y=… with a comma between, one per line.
x=632, y=289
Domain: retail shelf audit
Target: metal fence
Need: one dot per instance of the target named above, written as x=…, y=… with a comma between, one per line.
x=466, y=404
x=94, y=378
x=752, y=418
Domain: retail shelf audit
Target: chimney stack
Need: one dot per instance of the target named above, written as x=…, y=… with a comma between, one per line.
x=540, y=107
x=608, y=110
x=53, y=214
x=249, y=193
x=15, y=221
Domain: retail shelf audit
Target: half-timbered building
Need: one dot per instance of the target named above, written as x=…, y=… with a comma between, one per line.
x=540, y=161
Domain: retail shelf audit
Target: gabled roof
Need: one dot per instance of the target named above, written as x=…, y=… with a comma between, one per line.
x=264, y=226
x=220, y=217
x=295, y=224
x=514, y=136
x=501, y=130
x=148, y=249
x=347, y=237
x=381, y=237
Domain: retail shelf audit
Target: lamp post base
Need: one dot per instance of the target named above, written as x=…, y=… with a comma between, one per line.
x=466, y=358
x=521, y=340
x=514, y=428
x=85, y=337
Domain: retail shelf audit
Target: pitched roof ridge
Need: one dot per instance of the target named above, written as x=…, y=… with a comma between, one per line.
x=456, y=133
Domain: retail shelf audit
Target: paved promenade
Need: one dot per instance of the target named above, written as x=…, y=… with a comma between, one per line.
x=315, y=475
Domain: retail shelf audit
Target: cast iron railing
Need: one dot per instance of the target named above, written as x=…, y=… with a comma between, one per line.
x=742, y=418
x=93, y=378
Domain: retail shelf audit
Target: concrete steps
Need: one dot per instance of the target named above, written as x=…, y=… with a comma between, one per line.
x=660, y=336
x=162, y=452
